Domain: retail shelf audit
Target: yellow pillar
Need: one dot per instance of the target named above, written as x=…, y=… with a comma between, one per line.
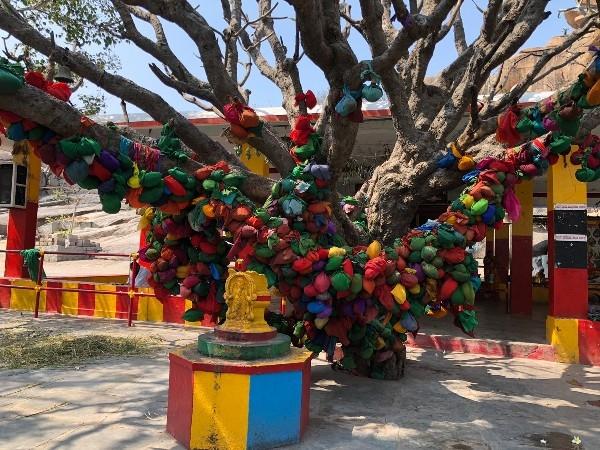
x=563, y=187
x=34, y=173
x=501, y=261
x=254, y=160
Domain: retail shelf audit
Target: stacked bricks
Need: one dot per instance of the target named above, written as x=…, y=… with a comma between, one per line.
x=69, y=244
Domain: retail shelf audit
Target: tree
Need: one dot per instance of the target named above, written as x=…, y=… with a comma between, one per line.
x=427, y=114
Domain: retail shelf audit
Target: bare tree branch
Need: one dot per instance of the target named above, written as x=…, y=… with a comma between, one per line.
x=161, y=51
x=285, y=75
x=345, y=14
x=125, y=113
x=556, y=67
x=345, y=10
x=248, y=67
x=195, y=26
x=413, y=6
x=408, y=35
x=452, y=22
x=309, y=16
x=520, y=88
x=460, y=41
x=386, y=21
x=512, y=31
x=494, y=87
x=194, y=101
x=206, y=149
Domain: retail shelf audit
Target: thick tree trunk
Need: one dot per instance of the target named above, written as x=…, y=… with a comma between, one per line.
x=391, y=368
x=394, y=192
x=409, y=178
x=392, y=204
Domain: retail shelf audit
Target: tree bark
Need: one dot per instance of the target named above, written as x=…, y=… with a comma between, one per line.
x=65, y=120
x=393, y=201
x=394, y=193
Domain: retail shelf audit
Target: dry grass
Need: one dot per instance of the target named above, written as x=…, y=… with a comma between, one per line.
x=25, y=348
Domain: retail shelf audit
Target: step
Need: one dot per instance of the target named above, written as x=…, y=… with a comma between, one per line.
x=488, y=347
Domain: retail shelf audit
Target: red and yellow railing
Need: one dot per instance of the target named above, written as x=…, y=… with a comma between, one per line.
x=83, y=298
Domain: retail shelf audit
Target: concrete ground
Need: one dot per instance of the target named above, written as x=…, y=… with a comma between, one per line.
x=446, y=401
x=495, y=323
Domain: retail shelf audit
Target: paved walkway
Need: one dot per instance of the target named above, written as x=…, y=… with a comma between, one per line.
x=446, y=401
x=495, y=323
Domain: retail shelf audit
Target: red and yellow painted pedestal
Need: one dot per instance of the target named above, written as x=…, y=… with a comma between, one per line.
x=243, y=387
x=574, y=340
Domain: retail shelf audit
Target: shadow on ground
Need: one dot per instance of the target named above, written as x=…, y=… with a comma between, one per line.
x=445, y=401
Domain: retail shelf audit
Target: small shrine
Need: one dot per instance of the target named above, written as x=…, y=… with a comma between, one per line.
x=244, y=386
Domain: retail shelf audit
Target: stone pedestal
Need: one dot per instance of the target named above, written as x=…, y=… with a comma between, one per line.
x=237, y=405
x=243, y=387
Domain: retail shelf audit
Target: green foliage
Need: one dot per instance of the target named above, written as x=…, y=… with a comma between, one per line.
x=81, y=22
x=91, y=27
x=91, y=105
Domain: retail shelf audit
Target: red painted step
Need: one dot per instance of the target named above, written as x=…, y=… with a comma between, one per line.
x=486, y=347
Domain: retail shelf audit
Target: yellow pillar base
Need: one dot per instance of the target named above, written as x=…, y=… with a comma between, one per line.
x=563, y=335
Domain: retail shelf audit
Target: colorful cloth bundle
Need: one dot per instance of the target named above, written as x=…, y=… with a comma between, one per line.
x=11, y=77
x=366, y=298
x=243, y=121
x=559, y=114
x=454, y=157
x=588, y=156
x=349, y=105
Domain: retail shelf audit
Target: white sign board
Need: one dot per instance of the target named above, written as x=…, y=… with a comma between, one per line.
x=570, y=207
x=570, y=237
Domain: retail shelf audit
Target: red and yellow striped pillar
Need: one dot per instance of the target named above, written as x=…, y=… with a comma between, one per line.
x=567, y=259
x=501, y=260
x=521, y=287
x=22, y=223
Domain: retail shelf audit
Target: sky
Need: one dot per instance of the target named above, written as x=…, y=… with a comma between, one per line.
x=134, y=62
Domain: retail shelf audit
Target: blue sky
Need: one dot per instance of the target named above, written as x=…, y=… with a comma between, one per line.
x=135, y=63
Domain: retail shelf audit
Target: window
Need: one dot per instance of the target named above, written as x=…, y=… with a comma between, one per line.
x=13, y=185
x=6, y=171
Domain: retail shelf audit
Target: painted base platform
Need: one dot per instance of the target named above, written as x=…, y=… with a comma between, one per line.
x=211, y=345
x=237, y=405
